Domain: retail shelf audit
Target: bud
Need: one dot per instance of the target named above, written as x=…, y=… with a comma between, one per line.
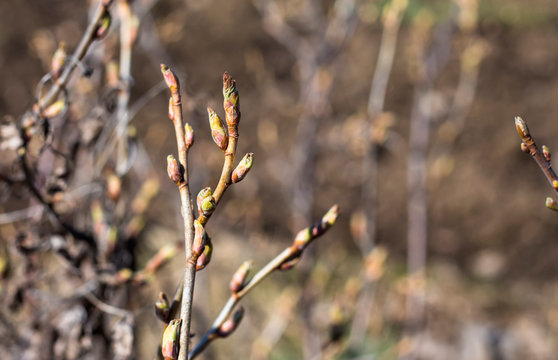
x=103, y=26
x=207, y=206
x=551, y=204
x=170, y=78
x=546, y=152
x=205, y=257
x=173, y=170
x=114, y=185
x=58, y=59
x=555, y=184
x=303, y=238
x=242, y=168
x=240, y=277
x=171, y=340
x=331, y=216
x=202, y=195
x=229, y=88
x=162, y=307
x=525, y=148
x=200, y=239
x=231, y=324
x=231, y=103
x=188, y=136
x=218, y=132
x=522, y=129
x=54, y=109
x=289, y=264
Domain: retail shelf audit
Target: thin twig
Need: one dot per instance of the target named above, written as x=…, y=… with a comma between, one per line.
x=292, y=253
x=376, y=99
x=175, y=113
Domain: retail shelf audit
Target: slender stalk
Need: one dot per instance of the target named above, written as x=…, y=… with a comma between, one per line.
x=175, y=113
x=376, y=99
x=291, y=253
x=89, y=36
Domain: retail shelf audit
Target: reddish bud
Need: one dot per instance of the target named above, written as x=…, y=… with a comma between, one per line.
x=188, y=136
x=231, y=324
x=170, y=78
x=289, y=264
x=240, y=277
x=173, y=170
x=218, y=132
x=171, y=340
x=200, y=239
x=242, y=168
x=205, y=257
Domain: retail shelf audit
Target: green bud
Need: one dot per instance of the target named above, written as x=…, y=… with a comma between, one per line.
x=171, y=340
x=218, y=132
x=242, y=168
x=202, y=195
x=103, y=26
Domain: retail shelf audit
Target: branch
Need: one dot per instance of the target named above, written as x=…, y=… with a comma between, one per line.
x=284, y=261
x=542, y=158
x=181, y=179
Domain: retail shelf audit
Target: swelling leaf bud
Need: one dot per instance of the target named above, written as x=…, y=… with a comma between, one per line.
x=240, y=277
x=205, y=257
x=202, y=195
x=200, y=239
x=231, y=324
x=171, y=337
x=162, y=307
x=173, y=170
x=546, y=153
x=188, y=136
x=170, y=78
x=207, y=206
x=218, y=132
x=242, y=168
x=523, y=130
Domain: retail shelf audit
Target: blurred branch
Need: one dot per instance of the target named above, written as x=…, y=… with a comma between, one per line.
x=433, y=63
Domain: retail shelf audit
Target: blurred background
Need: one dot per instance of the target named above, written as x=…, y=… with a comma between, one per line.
x=399, y=111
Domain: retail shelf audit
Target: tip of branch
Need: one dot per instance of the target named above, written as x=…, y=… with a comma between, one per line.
x=522, y=129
